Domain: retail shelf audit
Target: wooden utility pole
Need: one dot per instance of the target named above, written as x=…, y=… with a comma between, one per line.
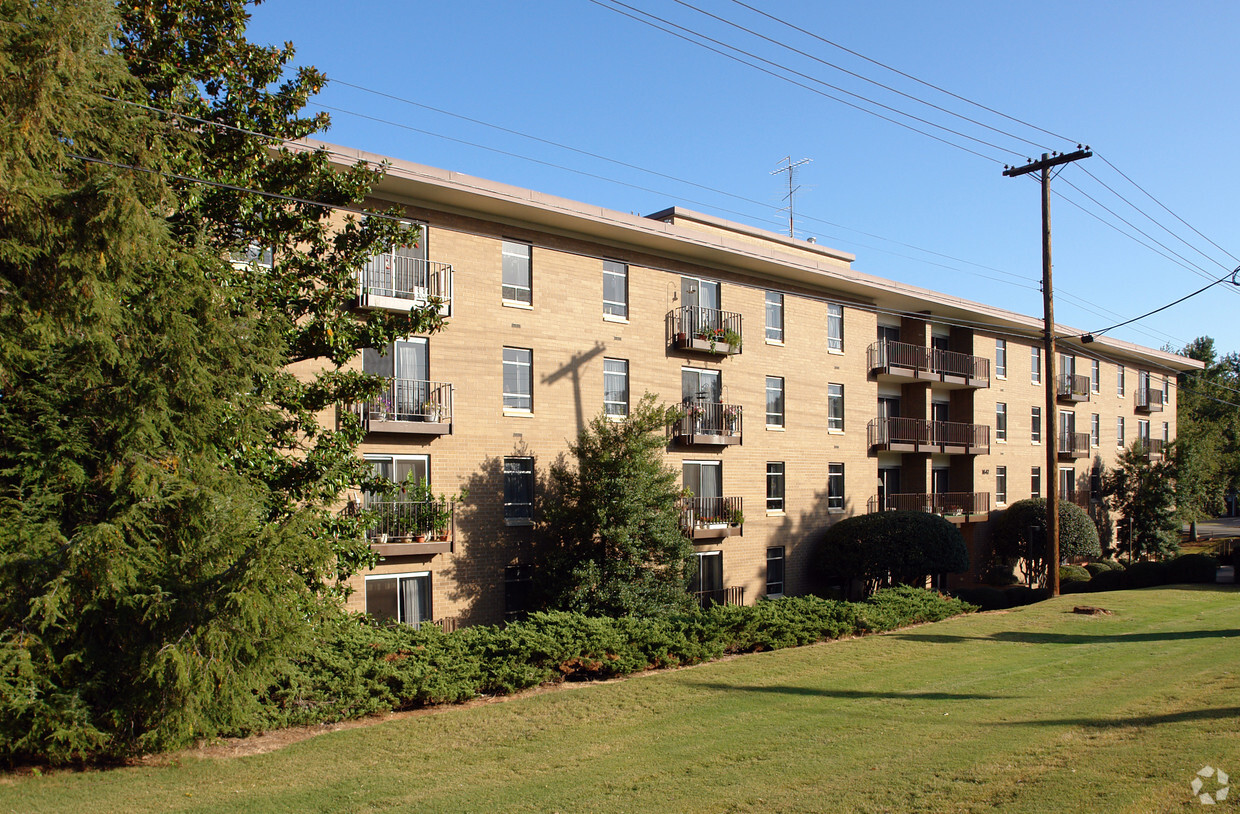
x=1051, y=428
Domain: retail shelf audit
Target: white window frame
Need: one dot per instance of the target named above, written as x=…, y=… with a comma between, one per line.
x=512, y=515
x=1000, y=358
x=613, y=310
x=1001, y=422
x=513, y=401
x=835, y=328
x=522, y=295
x=1095, y=376
x=781, y=417
x=1119, y=380
x=400, y=610
x=835, y=395
x=1035, y=364
x=1095, y=430
x=1000, y=485
x=1119, y=431
x=612, y=408
x=1035, y=425
x=393, y=460
x=1035, y=481
x=779, y=475
x=835, y=497
x=774, y=308
x=782, y=558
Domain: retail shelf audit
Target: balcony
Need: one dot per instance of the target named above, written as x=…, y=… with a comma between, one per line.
x=704, y=330
x=901, y=361
x=1072, y=388
x=708, y=424
x=732, y=595
x=1149, y=400
x=957, y=507
x=393, y=282
x=411, y=407
x=410, y=528
x=1155, y=448
x=920, y=435
x=1073, y=445
x=711, y=518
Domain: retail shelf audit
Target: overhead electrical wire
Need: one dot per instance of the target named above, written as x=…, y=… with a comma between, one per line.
x=1229, y=276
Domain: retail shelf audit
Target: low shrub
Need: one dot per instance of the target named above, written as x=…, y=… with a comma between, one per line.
x=890, y=547
x=990, y=598
x=1115, y=580
x=1073, y=573
x=1192, y=568
x=358, y=667
x=1101, y=566
x=1147, y=574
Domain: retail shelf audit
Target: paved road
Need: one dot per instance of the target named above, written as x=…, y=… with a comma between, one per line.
x=1218, y=527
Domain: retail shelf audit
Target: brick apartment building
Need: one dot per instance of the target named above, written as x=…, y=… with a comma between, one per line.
x=812, y=391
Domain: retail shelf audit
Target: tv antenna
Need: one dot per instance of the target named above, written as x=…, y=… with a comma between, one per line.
x=790, y=167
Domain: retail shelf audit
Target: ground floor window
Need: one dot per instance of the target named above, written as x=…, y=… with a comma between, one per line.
x=518, y=580
x=835, y=487
x=399, y=598
x=706, y=581
x=775, y=571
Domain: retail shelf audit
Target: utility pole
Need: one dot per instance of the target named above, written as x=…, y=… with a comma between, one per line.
x=790, y=167
x=1048, y=330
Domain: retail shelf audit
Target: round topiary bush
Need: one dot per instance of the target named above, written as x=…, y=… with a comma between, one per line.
x=1147, y=574
x=1078, y=537
x=890, y=548
x=1102, y=566
x=1073, y=573
x=1192, y=568
x=1109, y=581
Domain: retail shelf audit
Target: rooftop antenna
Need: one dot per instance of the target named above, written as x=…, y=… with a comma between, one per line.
x=790, y=167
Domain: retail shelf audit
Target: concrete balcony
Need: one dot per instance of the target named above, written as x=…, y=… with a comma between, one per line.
x=1071, y=389
x=412, y=528
x=695, y=329
x=392, y=282
x=1073, y=445
x=410, y=407
x=712, y=518
x=903, y=362
x=919, y=435
x=708, y=424
x=1148, y=400
x=957, y=507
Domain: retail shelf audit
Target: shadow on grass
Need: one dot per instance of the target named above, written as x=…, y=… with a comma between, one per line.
x=1024, y=637
x=1136, y=720
x=853, y=694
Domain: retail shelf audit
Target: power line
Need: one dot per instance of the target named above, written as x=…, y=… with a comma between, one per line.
x=1230, y=275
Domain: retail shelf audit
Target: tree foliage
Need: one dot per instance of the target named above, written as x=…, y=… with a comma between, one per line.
x=611, y=542
x=1207, y=432
x=1142, y=493
x=167, y=497
x=1011, y=538
x=891, y=548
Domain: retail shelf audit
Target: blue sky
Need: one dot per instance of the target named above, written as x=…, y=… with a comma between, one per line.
x=1150, y=87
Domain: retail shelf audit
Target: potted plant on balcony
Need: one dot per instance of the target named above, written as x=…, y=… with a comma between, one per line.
x=431, y=411
x=731, y=418
x=736, y=517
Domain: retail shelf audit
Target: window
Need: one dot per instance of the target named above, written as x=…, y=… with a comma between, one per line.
x=1067, y=483
x=518, y=379
x=516, y=268
x=616, y=387
x=397, y=469
x=774, y=316
x=1035, y=425
x=835, y=487
x=706, y=580
x=704, y=480
x=1000, y=484
x=1119, y=430
x=518, y=582
x=1095, y=376
x=1095, y=430
x=1000, y=421
x=1035, y=365
x=835, y=407
x=1035, y=482
x=1001, y=358
x=615, y=289
x=775, y=486
x=774, y=401
x=1119, y=380
x=775, y=571
x=1143, y=432
x=835, y=328
x=1166, y=433
x=400, y=598
x=518, y=490
x=1166, y=390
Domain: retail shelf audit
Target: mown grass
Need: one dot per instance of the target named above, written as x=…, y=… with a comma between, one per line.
x=1034, y=709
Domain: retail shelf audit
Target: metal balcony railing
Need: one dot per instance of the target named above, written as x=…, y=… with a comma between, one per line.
x=947, y=504
x=694, y=327
x=706, y=512
x=702, y=418
x=409, y=401
x=1154, y=447
x=921, y=432
x=406, y=278
x=885, y=355
x=1071, y=387
x=1149, y=400
x=1074, y=444
x=732, y=595
x=398, y=520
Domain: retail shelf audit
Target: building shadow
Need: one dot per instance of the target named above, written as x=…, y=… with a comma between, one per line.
x=1217, y=713
x=821, y=692
x=1024, y=637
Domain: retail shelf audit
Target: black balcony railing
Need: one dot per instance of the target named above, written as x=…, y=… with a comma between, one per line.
x=885, y=355
x=694, y=327
x=732, y=595
x=411, y=402
x=703, y=513
x=1149, y=400
x=1071, y=387
x=1074, y=444
x=708, y=422
x=885, y=432
x=948, y=504
x=405, y=278
x=406, y=520
x=1154, y=447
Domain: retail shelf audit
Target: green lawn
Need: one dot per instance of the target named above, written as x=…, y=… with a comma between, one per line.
x=1035, y=709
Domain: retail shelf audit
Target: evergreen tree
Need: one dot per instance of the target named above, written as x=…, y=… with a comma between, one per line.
x=611, y=542
x=168, y=502
x=1207, y=434
x=1142, y=492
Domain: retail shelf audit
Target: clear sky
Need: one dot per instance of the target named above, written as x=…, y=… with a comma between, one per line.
x=1150, y=86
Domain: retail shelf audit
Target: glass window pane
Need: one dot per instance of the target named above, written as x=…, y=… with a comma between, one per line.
x=835, y=327
x=616, y=387
x=381, y=599
x=615, y=288
x=775, y=486
x=775, y=316
x=774, y=401
x=516, y=272
x=835, y=407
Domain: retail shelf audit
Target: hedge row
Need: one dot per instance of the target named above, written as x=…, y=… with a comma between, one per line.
x=358, y=668
x=1189, y=568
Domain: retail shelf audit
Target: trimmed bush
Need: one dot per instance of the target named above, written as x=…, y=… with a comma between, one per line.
x=1102, y=566
x=1109, y=581
x=988, y=598
x=1073, y=573
x=891, y=547
x=1192, y=568
x=1078, y=537
x=1147, y=574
